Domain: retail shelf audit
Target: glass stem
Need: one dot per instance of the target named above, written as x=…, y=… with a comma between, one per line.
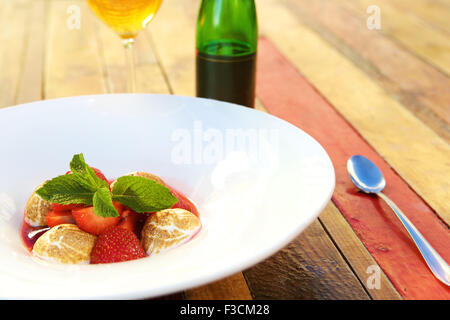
x=129, y=52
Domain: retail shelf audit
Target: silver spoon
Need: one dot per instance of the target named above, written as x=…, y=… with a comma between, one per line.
x=369, y=179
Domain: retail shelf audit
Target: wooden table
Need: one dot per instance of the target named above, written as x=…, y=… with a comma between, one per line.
x=382, y=93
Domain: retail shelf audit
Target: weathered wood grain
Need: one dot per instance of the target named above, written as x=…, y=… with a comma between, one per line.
x=417, y=85
x=173, y=296
x=427, y=42
x=30, y=84
x=13, y=40
x=432, y=12
x=396, y=134
x=288, y=95
x=259, y=106
x=356, y=254
x=72, y=60
x=310, y=267
x=149, y=76
x=234, y=286
x=175, y=43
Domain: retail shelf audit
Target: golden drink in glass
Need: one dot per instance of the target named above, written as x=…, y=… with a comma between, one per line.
x=127, y=18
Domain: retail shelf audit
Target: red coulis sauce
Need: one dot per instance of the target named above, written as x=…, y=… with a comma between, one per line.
x=30, y=234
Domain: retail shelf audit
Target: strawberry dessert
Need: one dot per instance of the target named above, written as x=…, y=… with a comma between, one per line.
x=82, y=217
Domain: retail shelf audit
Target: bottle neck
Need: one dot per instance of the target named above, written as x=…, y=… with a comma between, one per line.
x=227, y=28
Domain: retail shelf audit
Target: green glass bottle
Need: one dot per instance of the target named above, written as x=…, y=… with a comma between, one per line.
x=227, y=37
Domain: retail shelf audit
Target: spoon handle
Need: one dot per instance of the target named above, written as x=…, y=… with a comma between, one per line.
x=436, y=263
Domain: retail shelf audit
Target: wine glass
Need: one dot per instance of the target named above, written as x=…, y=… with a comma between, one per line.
x=127, y=18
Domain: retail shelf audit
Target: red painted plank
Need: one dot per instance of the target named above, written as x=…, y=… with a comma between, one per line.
x=286, y=94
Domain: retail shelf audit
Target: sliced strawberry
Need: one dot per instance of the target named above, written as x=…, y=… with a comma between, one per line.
x=132, y=221
x=116, y=245
x=88, y=221
x=66, y=207
x=54, y=218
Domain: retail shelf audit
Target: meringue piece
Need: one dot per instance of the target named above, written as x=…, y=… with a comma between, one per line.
x=167, y=229
x=36, y=210
x=65, y=243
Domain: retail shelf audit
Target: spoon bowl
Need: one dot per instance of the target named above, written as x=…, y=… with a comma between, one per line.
x=365, y=174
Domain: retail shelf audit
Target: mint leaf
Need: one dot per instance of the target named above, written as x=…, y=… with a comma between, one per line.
x=78, y=164
x=142, y=194
x=103, y=205
x=66, y=189
x=85, y=174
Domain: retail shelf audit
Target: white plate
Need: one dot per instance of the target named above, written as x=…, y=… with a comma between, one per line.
x=257, y=180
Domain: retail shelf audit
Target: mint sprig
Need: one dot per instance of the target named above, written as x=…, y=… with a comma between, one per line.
x=103, y=204
x=142, y=194
x=82, y=186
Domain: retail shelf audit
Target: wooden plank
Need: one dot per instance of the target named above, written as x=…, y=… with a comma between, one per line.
x=30, y=85
x=259, y=106
x=433, y=12
x=233, y=287
x=72, y=61
x=445, y=3
x=418, y=86
x=397, y=135
x=13, y=38
x=149, y=76
x=427, y=42
x=288, y=95
x=173, y=296
x=175, y=43
x=356, y=254
x=310, y=267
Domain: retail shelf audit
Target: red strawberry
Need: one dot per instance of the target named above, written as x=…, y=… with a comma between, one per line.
x=116, y=245
x=88, y=221
x=132, y=221
x=183, y=203
x=54, y=218
x=66, y=207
